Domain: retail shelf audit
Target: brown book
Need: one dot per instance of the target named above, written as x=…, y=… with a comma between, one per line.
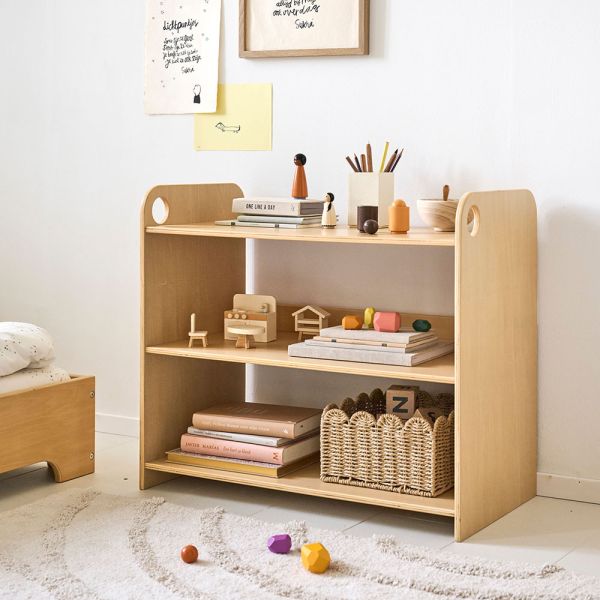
x=259, y=419
x=239, y=466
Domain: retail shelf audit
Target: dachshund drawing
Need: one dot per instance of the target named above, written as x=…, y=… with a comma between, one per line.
x=228, y=128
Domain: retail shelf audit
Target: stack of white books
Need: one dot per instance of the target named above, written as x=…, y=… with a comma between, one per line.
x=405, y=348
x=285, y=213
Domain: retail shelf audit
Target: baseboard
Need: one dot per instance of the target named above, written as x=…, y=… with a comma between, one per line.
x=568, y=488
x=117, y=424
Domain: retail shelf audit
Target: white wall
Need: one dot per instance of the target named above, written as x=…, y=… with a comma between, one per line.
x=482, y=95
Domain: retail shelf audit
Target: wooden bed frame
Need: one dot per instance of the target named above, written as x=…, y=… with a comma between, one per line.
x=53, y=423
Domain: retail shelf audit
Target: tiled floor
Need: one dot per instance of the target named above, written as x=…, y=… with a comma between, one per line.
x=543, y=530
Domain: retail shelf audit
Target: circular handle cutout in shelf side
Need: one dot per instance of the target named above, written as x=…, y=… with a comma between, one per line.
x=473, y=219
x=160, y=211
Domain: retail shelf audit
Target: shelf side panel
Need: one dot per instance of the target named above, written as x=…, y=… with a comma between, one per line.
x=496, y=357
x=174, y=390
x=181, y=276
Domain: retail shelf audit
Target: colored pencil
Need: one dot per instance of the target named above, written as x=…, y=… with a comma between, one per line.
x=397, y=160
x=357, y=163
x=369, y=159
x=391, y=161
x=363, y=163
x=352, y=165
x=385, y=151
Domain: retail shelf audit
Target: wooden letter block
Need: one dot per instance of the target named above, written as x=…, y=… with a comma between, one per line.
x=400, y=400
x=351, y=322
x=387, y=321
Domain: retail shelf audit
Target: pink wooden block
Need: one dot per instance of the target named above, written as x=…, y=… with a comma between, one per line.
x=387, y=321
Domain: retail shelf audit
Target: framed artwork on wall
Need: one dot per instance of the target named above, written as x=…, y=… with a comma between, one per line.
x=271, y=28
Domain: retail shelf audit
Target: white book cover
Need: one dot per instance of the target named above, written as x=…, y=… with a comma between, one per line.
x=398, y=358
x=374, y=348
x=285, y=207
x=404, y=336
x=260, y=440
x=411, y=346
x=277, y=219
x=277, y=225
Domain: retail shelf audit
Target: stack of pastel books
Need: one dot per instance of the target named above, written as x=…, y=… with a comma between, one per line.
x=284, y=213
x=405, y=348
x=261, y=439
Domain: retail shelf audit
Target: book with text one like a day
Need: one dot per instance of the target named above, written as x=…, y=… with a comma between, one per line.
x=238, y=465
x=259, y=419
x=285, y=207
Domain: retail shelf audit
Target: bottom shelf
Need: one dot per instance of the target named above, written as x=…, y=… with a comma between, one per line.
x=306, y=481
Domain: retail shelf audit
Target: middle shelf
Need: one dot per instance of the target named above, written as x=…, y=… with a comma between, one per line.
x=275, y=354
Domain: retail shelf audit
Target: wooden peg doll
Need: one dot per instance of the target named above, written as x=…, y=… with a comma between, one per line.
x=329, y=219
x=299, y=187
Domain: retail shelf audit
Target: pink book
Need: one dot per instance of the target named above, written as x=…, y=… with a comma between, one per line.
x=254, y=452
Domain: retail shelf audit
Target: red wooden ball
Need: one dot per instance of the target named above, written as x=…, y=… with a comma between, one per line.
x=189, y=554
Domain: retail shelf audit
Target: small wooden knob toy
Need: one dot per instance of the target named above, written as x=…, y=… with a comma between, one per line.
x=371, y=226
x=446, y=192
x=280, y=543
x=421, y=325
x=189, y=554
x=399, y=217
x=368, y=317
x=387, y=321
x=315, y=558
x=352, y=322
x=299, y=186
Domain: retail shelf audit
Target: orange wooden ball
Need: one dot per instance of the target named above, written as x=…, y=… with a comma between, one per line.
x=189, y=554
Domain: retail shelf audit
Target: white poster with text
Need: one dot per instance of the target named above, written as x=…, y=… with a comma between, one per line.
x=182, y=56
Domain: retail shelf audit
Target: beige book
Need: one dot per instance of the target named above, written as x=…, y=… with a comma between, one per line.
x=239, y=466
x=259, y=419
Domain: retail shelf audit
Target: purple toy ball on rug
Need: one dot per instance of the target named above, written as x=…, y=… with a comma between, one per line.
x=280, y=543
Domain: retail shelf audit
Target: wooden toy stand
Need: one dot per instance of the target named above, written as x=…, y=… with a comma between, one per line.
x=191, y=265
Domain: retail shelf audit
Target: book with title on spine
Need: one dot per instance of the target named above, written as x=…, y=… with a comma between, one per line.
x=260, y=419
x=255, y=452
x=285, y=207
x=238, y=465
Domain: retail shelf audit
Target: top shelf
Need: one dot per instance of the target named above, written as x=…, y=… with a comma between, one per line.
x=341, y=234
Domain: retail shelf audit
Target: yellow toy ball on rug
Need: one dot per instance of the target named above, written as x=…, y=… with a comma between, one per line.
x=315, y=557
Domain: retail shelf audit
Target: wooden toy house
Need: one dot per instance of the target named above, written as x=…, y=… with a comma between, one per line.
x=311, y=323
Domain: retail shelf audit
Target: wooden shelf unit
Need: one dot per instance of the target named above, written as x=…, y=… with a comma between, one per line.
x=191, y=265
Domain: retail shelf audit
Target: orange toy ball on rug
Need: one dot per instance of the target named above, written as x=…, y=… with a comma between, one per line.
x=189, y=554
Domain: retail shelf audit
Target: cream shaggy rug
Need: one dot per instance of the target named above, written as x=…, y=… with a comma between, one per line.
x=82, y=544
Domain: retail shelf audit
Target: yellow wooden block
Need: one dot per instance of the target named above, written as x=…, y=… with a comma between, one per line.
x=315, y=557
x=351, y=322
x=369, y=314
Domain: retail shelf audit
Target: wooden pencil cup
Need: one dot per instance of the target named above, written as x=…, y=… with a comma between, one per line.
x=399, y=217
x=374, y=189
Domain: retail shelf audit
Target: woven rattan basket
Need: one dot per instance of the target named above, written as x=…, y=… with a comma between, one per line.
x=410, y=457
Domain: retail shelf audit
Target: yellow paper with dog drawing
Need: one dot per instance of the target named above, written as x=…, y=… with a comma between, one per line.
x=243, y=120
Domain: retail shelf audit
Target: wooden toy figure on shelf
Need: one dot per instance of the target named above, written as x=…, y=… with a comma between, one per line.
x=329, y=218
x=299, y=187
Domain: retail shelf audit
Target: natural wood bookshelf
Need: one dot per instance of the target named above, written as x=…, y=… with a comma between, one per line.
x=191, y=265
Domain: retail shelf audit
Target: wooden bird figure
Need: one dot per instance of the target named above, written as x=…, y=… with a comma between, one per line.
x=299, y=187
